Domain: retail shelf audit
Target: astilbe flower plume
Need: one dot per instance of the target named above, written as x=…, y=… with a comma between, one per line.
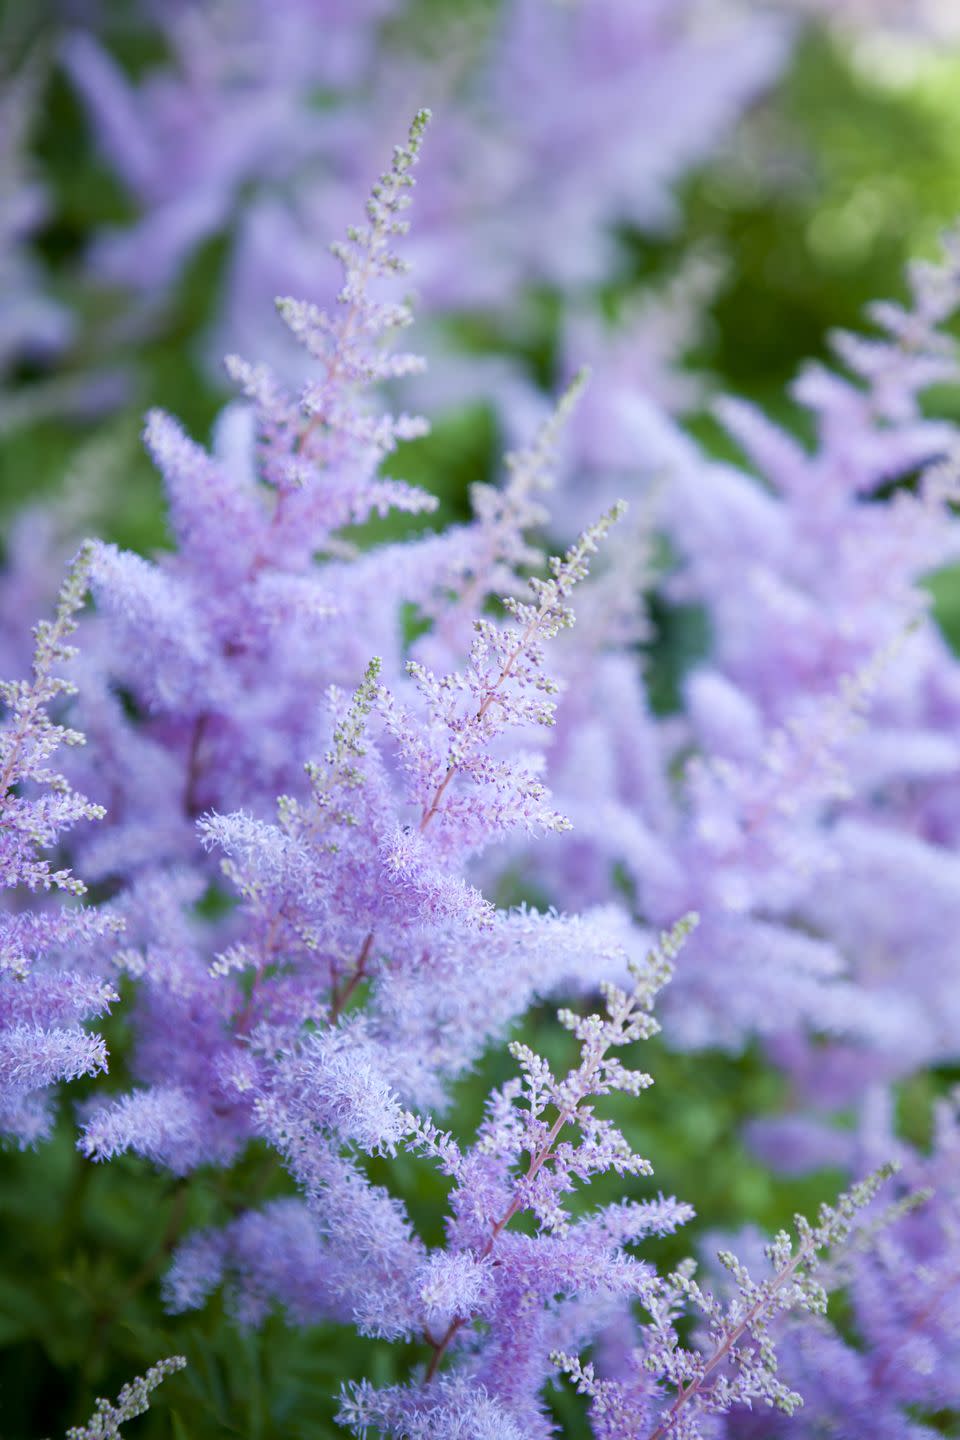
x=498, y=1300
x=337, y=436
x=361, y=882
x=814, y=740
x=814, y=826
x=43, y=1000
x=133, y=1400
x=363, y=874
x=734, y=1368
x=896, y=1368
x=217, y=644
x=843, y=581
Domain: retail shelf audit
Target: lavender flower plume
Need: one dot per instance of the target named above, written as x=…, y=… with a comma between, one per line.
x=894, y=1367
x=42, y=1005
x=572, y=1275
x=735, y=1365
x=326, y=430
x=218, y=643
x=133, y=1400
x=503, y=685
x=827, y=688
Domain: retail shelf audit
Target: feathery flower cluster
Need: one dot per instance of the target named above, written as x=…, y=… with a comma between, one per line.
x=803, y=797
x=43, y=1006
x=216, y=645
x=894, y=1366
x=360, y=883
x=496, y=1299
x=133, y=1400
x=326, y=427
x=814, y=739
x=736, y=1364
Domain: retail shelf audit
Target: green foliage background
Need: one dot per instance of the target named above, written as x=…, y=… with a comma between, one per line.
x=852, y=166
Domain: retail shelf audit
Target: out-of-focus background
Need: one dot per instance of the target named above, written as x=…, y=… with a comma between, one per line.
x=168, y=166
x=693, y=192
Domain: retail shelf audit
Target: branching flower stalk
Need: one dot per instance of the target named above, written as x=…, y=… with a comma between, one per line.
x=26, y=700
x=739, y=1369
x=790, y=1286
x=133, y=1400
x=629, y=1018
x=497, y=547
x=499, y=656
x=504, y=663
x=43, y=1001
x=327, y=425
